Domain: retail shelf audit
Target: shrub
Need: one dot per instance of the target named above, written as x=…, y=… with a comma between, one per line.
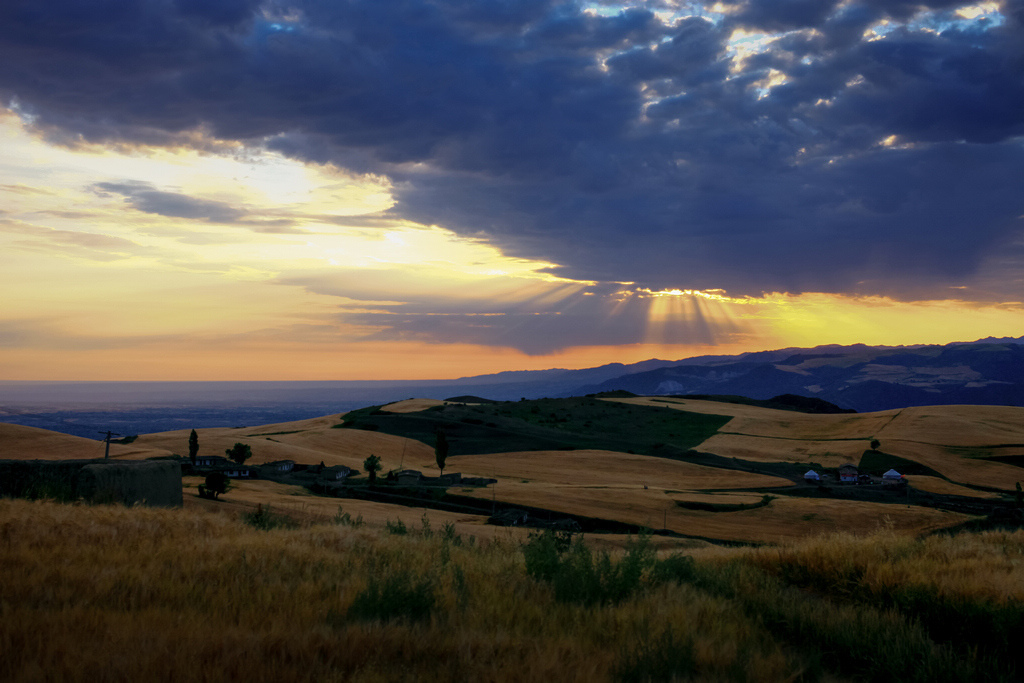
x=265, y=519
x=372, y=466
x=577, y=576
x=397, y=527
x=449, y=535
x=239, y=453
x=216, y=484
x=397, y=596
x=345, y=519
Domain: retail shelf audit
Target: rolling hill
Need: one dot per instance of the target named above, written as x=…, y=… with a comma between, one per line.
x=694, y=469
x=860, y=377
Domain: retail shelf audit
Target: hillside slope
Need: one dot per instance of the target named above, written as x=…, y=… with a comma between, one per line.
x=860, y=377
x=743, y=480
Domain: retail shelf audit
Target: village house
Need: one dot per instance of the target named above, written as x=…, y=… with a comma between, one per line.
x=280, y=466
x=408, y=477
x=848, y=474
x=238, y=472
x=811, y=477
x=211, y=461
x=335, y=473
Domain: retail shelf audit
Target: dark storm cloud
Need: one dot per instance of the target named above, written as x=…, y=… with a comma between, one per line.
x=615, y=144
x=146, y=198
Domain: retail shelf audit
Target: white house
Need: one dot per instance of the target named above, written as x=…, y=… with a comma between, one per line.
x=892, y=477
x=211, y=461
x=811, y=476
x=336, y=473
x=238, y=472
x=848, y=473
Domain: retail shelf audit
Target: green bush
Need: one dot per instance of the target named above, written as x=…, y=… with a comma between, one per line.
x=397, y=527
x=345, y=519
x=265, y=519
x=399, y=595
x=578, y=576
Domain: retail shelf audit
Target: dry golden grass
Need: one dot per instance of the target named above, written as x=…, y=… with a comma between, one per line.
x=599, y=468
x=984, y=566
x=412, y=405
x=305, y=441
x=829, y=454
x=609, y=485
x=30, y=443
x=952, y=464
x=97, y=593
x=716, y=498
x=298, y=504
x=110, y=593
x=783, y=519
x=969, y=426
x=949, y=439
x=923, y=482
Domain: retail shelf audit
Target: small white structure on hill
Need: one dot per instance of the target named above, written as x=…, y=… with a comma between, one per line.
x=335, y=473
x=892, y=477
x=811, y=477
x=409, y=477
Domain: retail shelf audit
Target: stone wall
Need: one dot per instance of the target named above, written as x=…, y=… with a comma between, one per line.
x=147, y=482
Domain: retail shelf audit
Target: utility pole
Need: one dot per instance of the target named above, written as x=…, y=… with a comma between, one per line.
x=106, y=440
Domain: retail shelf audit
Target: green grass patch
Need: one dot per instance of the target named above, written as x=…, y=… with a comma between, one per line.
x=547, y=424
x=398, y=595
x=265, y=519
x=877, y=462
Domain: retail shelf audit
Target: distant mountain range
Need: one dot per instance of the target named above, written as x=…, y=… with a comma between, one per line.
x=864, y=378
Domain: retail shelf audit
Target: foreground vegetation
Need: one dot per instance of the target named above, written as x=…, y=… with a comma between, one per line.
x=107, y=592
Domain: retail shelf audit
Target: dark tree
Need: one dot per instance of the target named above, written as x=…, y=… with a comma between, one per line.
x=216, y=484
x=193, y=446
x=240, y=452
x=875, y=443
x=441, y=450
x=372, y=467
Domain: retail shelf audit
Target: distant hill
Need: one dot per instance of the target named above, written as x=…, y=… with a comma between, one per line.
x=855, y=377
x=800, y=404
x=858, y=377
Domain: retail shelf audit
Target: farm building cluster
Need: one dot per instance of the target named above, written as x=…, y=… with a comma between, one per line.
x=849, y=474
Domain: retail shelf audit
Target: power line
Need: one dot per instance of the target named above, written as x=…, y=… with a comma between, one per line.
x=106, y=440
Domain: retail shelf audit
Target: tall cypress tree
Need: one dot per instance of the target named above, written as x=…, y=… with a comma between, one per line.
x=441, y=450
x=193, y=446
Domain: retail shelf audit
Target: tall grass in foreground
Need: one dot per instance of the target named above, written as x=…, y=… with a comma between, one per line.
x=105, y=593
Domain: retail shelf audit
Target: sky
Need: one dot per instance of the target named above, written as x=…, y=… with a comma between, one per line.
x=423, y=189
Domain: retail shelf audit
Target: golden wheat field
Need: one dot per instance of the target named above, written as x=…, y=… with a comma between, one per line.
x=953, y=440
x=103, y=593
x=633, y=489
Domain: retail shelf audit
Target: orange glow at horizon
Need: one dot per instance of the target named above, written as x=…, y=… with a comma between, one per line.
x=311, y=267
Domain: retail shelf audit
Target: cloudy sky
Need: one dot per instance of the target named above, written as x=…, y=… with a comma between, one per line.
x=350, y=189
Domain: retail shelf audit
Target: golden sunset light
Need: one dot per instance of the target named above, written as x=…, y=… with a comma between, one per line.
x=183, y=248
